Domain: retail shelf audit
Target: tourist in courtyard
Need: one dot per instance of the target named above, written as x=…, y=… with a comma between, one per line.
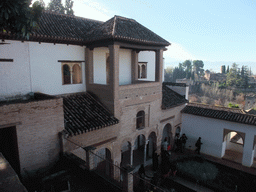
x=183, y=140
x=177, y=142
x=165, y=144
x=198, y=145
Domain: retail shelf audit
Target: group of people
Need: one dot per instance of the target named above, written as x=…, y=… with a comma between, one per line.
x=167, y=168
x=180, y=142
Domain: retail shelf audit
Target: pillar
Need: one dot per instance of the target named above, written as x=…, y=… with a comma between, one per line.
x=89, y=66
x=128, y=179
x=248, y=152
x=114, y=78
x=145, y=151
x=132, y=148
x=116, y=168
x=159, y=65
x=90, y=157
x=134, y=66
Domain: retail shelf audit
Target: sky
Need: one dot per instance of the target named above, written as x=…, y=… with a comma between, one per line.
x=218, y=32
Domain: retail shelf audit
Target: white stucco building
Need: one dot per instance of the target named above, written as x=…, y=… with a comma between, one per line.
x=223, y=131
x=87, y=88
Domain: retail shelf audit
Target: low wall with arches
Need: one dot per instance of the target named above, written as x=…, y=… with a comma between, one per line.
x=213, y=132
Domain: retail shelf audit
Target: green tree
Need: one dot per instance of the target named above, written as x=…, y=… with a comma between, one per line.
x=17, y=17
x=188, y=68
x=56, y=6
x=227, y=69
x=41, y=2
x=69, y=7
x=168, y=73
x=238, y=78
x=233, y=76
x=199, y=67
x=245, y=76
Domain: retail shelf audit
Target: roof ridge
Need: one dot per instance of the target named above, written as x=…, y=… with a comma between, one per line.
x=232, y=110
x=125, y=18
x=114, y=26
x=74, y=16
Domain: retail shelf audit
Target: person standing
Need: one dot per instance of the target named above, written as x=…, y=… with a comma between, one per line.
x=165, y=144
x=198, y=145
x=183, y=142
x=176, y=141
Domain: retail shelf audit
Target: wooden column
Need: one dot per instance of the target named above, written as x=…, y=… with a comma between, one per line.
x=114, y=77
x=159, y=65
x=88, y=66
x=134, y=66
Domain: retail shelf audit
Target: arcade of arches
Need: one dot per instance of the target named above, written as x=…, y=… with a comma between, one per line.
x=142, y=149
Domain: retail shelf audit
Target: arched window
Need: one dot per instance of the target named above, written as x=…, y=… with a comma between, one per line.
x=140, y=120
x=76, y=76
x=66, y=74
x=71, y=73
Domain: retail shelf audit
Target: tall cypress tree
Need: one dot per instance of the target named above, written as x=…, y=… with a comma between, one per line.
x=227, y=69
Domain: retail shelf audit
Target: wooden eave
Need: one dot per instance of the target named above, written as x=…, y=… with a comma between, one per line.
x=126, y=45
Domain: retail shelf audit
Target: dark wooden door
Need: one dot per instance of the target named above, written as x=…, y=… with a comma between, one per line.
x=9, y=147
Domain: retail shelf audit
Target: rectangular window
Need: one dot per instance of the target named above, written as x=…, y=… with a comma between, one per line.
x=71, y=73
x=142, y=70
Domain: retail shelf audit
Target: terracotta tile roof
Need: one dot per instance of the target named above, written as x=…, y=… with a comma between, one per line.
x=220, y=113
x=171, y=98
x=61, y=28
x=83, y=112
x=124, y=29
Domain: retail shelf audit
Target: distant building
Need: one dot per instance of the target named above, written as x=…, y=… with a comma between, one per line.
x=209, y=76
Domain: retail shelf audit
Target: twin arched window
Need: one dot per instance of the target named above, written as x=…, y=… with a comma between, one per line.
x=140, y=120
x=71, y=73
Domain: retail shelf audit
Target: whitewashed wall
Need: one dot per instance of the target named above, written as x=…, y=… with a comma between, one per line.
x=46, y=70
x=211, y=132
x=99, y=65
x=125, y=69
x=150, y=58
x=14, y=76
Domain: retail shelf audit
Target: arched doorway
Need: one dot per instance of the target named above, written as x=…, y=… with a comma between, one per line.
x=151, y=146
x=126, y=154
x=103, y=162
x=232, y=147
x=138, y=150
x=167, y=133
